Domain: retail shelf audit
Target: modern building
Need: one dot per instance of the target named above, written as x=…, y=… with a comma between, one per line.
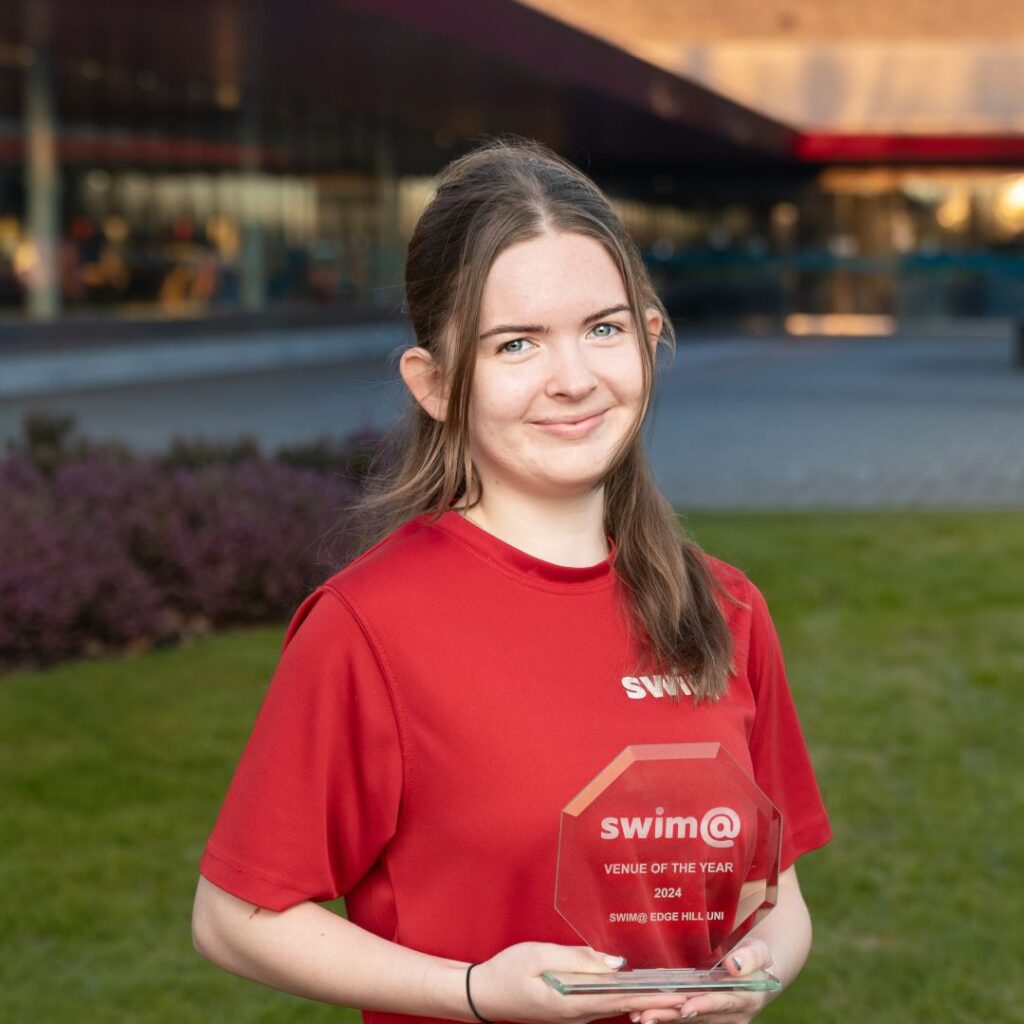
x=267, y=158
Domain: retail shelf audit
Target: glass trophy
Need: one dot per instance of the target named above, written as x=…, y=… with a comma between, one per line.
x=667, y=857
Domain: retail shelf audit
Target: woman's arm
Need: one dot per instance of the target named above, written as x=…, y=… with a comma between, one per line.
x=312, y=952
x=786, y=931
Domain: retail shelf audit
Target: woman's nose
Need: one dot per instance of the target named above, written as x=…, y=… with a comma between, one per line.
x=571, y=373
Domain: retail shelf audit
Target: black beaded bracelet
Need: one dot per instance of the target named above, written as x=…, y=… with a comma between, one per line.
x=469, y=998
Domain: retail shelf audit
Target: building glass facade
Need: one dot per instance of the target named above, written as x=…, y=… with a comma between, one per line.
x=136, y=192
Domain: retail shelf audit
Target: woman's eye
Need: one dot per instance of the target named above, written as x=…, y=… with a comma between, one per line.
x=612, y=327
x=513, y=346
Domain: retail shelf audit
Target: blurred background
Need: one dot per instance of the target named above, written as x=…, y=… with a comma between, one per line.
x=203, y=214
x=779, y=162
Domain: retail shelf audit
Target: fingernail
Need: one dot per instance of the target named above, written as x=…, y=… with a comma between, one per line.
x=690, y=1015
x=614, y=962
x=635, y=1018
x=738, y=962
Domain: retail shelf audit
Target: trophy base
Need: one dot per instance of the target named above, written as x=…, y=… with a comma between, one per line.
x=714, y=979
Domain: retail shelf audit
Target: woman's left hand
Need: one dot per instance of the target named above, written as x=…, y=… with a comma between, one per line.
x=721, y=1007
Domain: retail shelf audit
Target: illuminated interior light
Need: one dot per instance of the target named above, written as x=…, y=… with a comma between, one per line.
x=227, y=95
x=1009, y=206
x=840, y=324
x=26, y=256
x=98, y=180
x=954, y=213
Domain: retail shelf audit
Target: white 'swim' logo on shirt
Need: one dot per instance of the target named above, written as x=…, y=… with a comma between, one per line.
x=639, y=687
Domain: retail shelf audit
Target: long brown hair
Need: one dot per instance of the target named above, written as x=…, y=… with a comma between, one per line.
x=505, y=191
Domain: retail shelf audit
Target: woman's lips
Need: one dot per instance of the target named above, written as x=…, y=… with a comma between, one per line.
x=573, y=428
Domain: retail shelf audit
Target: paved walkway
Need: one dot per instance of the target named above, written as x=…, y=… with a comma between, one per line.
x=863, y=423
x=742, y=422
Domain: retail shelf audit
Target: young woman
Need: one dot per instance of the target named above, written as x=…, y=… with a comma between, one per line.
x=440, y=699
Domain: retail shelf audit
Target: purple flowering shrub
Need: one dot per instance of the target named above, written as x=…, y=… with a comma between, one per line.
x=64, y=581
x=106, y=552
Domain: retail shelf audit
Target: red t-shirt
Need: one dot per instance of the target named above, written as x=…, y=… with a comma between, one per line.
x=436, y=705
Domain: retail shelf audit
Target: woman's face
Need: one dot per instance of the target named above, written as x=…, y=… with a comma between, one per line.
x=558, y=382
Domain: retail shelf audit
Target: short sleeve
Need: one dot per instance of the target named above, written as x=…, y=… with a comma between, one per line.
x=315, y=795
x=782, y=765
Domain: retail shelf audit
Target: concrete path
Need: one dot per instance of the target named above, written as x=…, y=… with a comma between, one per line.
x=862, y=423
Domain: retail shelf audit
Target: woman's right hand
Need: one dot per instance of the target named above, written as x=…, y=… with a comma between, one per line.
x=509, y=987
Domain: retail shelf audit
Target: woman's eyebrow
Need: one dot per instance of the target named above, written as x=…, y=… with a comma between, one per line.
x=541, y=329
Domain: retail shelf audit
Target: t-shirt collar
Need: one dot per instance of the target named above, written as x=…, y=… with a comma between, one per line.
x=519, y=561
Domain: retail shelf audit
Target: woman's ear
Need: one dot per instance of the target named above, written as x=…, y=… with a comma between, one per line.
x=423, y=378
x=655, y=322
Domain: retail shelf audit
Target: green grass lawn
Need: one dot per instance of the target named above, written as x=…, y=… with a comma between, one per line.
x=904, y=635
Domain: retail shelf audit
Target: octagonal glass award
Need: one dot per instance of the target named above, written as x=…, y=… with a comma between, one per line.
x=668, y=857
